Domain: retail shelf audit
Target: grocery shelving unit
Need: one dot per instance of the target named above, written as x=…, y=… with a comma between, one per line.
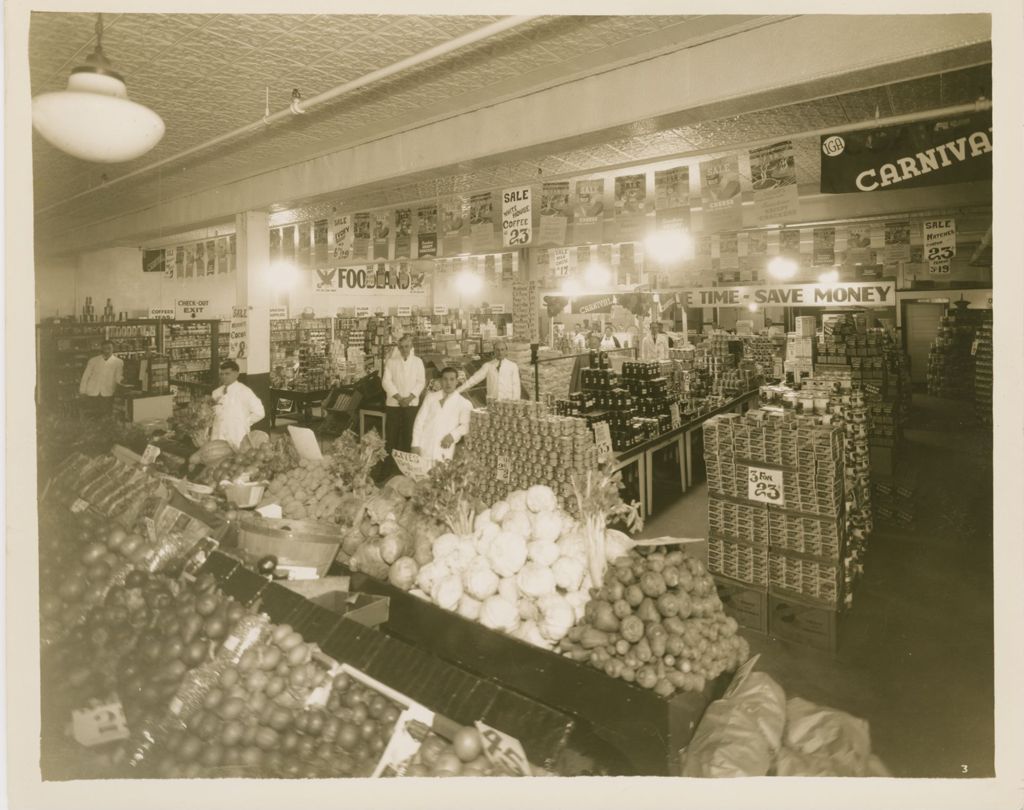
x=64, y=349
x=194, y=350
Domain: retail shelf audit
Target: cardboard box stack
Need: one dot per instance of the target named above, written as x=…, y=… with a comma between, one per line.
x=801, y=350
x=767, y=353
x=982, y=349
x=793, y=542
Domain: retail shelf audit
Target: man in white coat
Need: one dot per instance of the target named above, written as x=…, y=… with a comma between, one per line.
x=99, y=381
x=655, y=345
x=236, y=407
x=502, y=376
x=442, y=421
x=403, y=381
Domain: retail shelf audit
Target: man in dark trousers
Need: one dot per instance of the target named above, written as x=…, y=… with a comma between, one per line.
x=403, y=381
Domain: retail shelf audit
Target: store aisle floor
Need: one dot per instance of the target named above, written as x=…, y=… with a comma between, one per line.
x=915, y=656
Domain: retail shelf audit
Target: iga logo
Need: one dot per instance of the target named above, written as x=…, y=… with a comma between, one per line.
x=834, y=146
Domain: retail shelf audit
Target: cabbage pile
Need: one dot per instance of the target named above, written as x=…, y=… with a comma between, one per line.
x=522, y=571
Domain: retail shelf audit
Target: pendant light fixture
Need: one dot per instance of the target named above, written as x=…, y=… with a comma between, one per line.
x=93, y=119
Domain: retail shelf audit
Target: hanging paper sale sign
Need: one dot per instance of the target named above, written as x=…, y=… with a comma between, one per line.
x=516, y=217
x=939, y=239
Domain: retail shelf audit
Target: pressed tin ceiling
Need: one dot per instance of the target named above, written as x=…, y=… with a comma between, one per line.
x=207, y=75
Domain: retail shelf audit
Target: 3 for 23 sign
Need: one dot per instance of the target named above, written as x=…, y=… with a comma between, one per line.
x=766, y=486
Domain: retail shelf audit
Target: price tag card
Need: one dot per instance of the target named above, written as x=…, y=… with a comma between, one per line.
x=410, y=464
x=440, y=310
x=79, y=506
x=673, y=410
x=502, y=751
x=150, y=454
x=99, y=725
x=404, y=312
x=603, y=438
x=197, y=557
x=766, y=486
x=974, y=347
x=502, y=468
x=362, y=312
x=497, y=309
x=305, y=443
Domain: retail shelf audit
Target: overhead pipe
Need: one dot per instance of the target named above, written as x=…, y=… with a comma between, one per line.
x=299, y=106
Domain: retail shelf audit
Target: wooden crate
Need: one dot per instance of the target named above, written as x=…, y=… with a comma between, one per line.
x=803, y=623
x=746, y=603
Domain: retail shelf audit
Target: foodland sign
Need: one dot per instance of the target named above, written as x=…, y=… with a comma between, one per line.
x=861, y=294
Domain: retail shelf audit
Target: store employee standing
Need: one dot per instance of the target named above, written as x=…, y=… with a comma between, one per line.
x=501, y=373
x=236, y=407
x=102, y=375
x=403, y=381
x=442, y=421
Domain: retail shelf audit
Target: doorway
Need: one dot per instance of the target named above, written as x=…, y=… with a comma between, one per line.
x=920, y=326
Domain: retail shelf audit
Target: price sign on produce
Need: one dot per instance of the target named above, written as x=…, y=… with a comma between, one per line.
x=766, y=486
x=98, y=725
x=502, y=751
x=502, y=469
x=410, y=464
x=150, y=454
x=79, y=506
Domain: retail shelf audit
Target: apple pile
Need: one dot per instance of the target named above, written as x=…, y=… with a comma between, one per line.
x=262, y=719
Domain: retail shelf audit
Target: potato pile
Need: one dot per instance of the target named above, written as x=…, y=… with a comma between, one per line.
x=306, y=492
x=657, y=621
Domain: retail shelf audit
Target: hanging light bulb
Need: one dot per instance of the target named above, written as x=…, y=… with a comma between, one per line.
x=782, y=268
x=93, y=119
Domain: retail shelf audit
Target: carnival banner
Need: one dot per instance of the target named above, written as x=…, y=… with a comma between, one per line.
x=923, y=154
x=773, y=177
x=720, y=194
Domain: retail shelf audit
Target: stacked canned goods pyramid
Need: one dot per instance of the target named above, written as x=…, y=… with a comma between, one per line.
x=515, y=444
x=776, y=513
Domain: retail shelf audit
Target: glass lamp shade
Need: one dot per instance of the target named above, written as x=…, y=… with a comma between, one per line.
x=94, y=120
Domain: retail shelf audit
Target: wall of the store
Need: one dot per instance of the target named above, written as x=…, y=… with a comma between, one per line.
x=116, y=273
x=977, y=299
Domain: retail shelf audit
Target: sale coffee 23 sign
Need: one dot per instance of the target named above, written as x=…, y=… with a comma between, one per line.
x=516, y=217
x=924, y=154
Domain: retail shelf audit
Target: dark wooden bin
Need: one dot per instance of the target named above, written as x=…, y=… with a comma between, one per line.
x=646, y=732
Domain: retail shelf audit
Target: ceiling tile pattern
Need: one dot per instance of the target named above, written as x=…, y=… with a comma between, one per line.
x=208, y=74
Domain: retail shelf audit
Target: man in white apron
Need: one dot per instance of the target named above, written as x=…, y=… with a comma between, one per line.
x=442, y=421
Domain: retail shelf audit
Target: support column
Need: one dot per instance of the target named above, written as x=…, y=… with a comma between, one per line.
x=252, y=291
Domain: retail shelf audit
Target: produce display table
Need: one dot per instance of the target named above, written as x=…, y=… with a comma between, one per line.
x=636, y=731
x=302, y=400
x=682, y=437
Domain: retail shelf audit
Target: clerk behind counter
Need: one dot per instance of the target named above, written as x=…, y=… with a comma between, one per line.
x=102, y=375
x=502, y=376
